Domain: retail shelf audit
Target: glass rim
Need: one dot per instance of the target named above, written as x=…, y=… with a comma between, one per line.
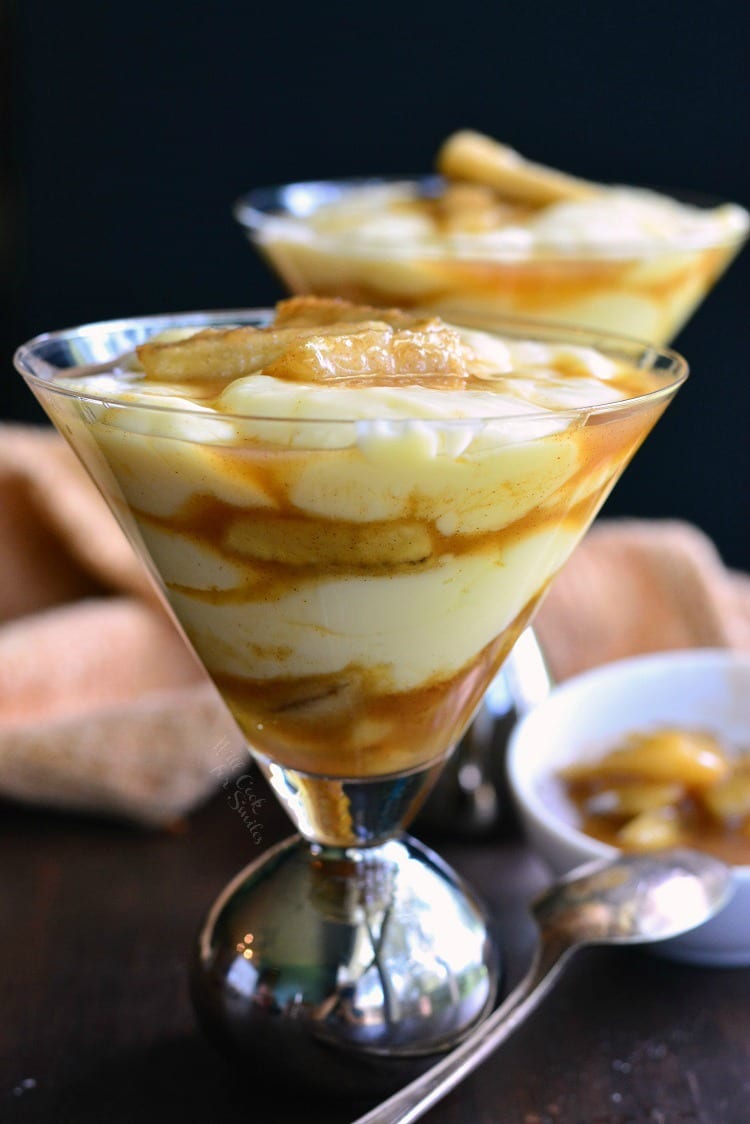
x=256, y=209
x=643, y=355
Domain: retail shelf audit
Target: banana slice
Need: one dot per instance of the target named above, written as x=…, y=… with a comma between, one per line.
x=691, y=758
x=220, y=355
x=299, y=542
x=378, y=355
x=467, y=155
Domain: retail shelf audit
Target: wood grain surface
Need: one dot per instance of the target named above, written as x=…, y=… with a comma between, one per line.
x=96, y=923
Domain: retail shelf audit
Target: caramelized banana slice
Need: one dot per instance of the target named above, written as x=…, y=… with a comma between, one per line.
x=690, y=758
x=467, y=155
x=299, y=542
x=377, y=355
x=319, y=340
x=223, y=354
x=215, y=353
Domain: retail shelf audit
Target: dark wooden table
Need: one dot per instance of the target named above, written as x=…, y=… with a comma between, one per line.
x=96, y=921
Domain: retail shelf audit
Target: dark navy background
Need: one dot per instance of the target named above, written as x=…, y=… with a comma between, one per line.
x=128, y=129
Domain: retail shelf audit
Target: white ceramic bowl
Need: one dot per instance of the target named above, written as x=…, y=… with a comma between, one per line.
x=705, y=688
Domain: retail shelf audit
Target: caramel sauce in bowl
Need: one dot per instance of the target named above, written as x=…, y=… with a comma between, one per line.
x=700, y=698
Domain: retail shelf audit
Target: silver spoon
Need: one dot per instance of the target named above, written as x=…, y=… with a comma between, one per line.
x=633, y=899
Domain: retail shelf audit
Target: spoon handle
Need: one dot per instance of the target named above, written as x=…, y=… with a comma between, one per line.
x=415, y=1099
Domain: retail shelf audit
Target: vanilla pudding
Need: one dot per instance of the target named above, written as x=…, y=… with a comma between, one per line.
x=497, y=234
x=355, y=512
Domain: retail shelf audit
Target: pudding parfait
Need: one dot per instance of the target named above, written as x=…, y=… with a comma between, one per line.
x=352, y=512
x=494, y=233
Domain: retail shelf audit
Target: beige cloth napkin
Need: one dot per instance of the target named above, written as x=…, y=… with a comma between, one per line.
x=103, y=708
x=636, y=586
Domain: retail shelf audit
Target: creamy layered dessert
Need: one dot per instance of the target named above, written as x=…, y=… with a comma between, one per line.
x=499, y=234
x=354, y=512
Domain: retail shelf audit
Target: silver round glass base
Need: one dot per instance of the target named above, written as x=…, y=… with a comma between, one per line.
x=379, y=951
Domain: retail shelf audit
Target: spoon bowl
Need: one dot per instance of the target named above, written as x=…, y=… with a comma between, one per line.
x=636, y=899
x=631, y=899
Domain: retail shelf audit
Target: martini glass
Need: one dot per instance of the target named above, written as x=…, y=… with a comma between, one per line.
x=352, y=586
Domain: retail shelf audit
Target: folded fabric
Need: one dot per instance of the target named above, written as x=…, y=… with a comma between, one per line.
x=103, y=708
x=58, y=540
x=636, y=586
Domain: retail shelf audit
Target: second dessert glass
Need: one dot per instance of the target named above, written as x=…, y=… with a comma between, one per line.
x=389, y=240
x=635, y=286
x=352, y=585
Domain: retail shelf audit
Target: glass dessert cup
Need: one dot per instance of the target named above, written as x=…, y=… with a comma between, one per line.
x=645, y=289
x=352, y=587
